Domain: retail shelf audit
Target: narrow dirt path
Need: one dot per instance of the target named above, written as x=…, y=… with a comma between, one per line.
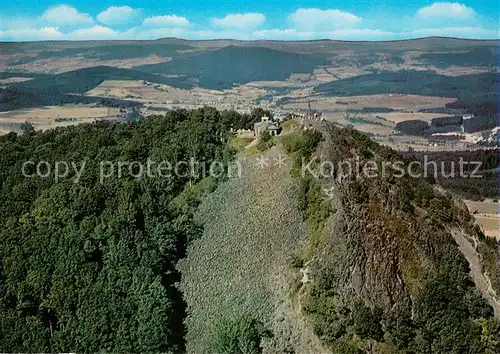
x=482, y=281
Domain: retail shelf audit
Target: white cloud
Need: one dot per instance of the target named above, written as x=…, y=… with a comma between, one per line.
x=64, y=15
x=94, y=32
x=453, y=10
x=223, y=34
x=459, y=32
x=65, y=22
x=317, y=19
x=249, y=20
x=362, y=34
x=18, y=22
x=340, y=34
x=116, y=15
x=289, y=33
x=153, y=33
x=166, y=21
x=31, y=34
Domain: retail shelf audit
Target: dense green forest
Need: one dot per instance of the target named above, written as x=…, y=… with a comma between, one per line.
x=90, y=266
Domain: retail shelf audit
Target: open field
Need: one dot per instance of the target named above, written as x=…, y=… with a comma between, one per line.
x=393, y=101
x=65, y=64
x=397, y=117
x=485, y=207
x=374, y=129
x=276, y=84
x=161, y=95
x=13, y=80
x=4, y=131
x=487, y=215
x=45, y=118
x=380, y=125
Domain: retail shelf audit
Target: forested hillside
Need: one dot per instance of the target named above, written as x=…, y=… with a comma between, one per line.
x=90, y=266
x=69, y=87
x=475, y=87
x=386, y=274
x=83, y=80
x=374, y=270
x=276, y=260
x=479, y=56
x=222, y=68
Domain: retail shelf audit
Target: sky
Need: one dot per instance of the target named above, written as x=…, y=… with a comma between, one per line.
x=24, y=20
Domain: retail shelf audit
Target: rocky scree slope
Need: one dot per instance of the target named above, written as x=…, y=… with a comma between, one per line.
x=347, y=265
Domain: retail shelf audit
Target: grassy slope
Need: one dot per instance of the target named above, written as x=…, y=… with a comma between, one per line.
x=239, y=266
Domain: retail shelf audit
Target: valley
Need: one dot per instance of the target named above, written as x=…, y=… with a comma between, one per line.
x=345, y=81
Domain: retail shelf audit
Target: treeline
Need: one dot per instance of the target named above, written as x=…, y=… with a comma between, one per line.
x=91, y=266
x=413, y=127
x=453, y=124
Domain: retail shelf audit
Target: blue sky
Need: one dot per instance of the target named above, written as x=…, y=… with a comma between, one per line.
x=271, y=19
